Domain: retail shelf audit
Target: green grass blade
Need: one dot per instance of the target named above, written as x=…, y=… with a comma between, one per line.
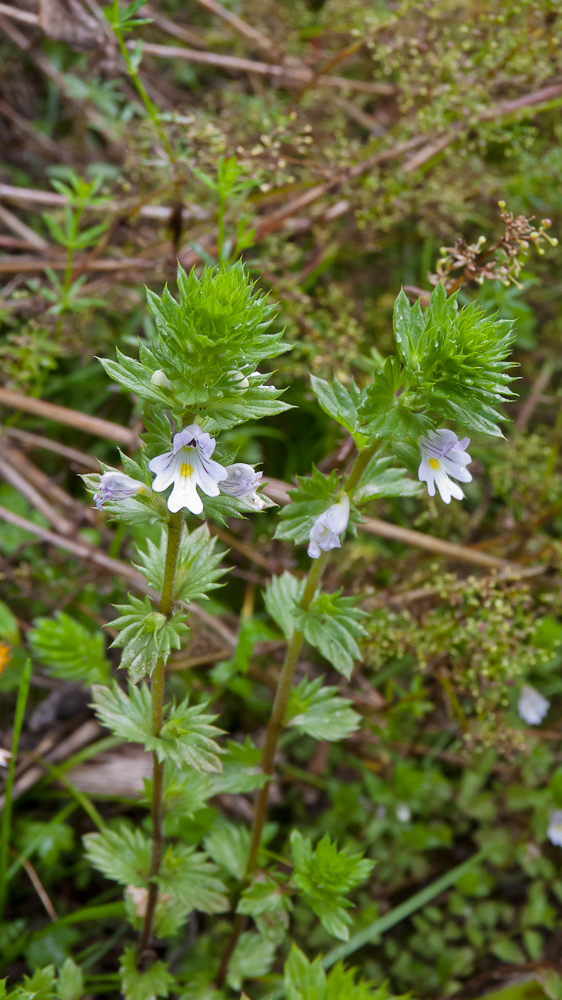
x=5, y=825
x=402, y=912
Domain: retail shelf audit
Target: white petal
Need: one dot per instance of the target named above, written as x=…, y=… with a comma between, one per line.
x=427, y=475
x=165, y=468
x=207, y=474
x=184, y=494
x=457, y=471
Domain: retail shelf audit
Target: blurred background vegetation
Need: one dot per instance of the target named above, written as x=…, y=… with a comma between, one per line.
x=371, y=135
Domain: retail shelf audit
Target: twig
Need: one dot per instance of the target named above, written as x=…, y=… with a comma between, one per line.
x=19, y=15
x=13, y=476
x=63, y=415
x=84, y=550
x=532, y=400
x=16, y=265
x=175, y=30
x=86, y=733
x=27, y=127
x=20, y=229
x=283, y=75
x=246, y=30
x=37, y=441
x=37, y=884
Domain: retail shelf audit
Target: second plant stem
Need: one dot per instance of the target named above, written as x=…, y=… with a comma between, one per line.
x=157, y=697
x=278, y=712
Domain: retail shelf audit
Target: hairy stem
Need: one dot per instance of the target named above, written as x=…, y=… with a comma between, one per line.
x=157, y=691
x=279, y=709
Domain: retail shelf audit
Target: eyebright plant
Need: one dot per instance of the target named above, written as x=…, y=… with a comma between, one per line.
x=199, y=377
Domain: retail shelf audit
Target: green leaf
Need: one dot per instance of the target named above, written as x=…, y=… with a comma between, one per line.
x=252, y=958
x=228, y=844
x=69, y=650
x=304, y=980
x=9, y=628
x=265, y=901
x=281, y=597
x=190, y=879
x=314, y=495
x=319, y=712
x=147, y=637
x=340, y=403
x=508, y=951
x=323, y=876
x=239, y=406
x=332, y=624
x=378, y=480
x=186, y=736
x=197, y=567
x=154, y=982
x=70, y=984
x=122, y=854
x=135, y=377
x=387, y=410
x=240, y=772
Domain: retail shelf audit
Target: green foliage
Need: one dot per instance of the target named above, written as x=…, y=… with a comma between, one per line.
x=8, y=625
x=70, y=984
x=323, y=877
x=332, y=624
x=69, y=650
x=146, y=636
x=47, y=839
x=197, y=566
x=40, y=986
x=156, y=981
x=451, y=363
x=341, y=404
x=281, y=597
x=252, y=959
x=190, y=879
x=306, y=980
x=122, y=854
x=228, y=845
x=320, y=713
x=269, y=906
x=208, y=345
x=186, y=736
x=313, y=496
x=382, y=479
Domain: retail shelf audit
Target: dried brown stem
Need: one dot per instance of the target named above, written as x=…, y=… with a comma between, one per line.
x=63, y=415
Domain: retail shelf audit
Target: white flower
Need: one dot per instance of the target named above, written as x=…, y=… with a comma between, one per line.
x=189, y=465
x=403, y=812
x=327, y=528
x=4, y=757
x=160, y=379
x=554, y=832
x=532, y=707
x=116, y=486
x=443, y=455
x=242, y=482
